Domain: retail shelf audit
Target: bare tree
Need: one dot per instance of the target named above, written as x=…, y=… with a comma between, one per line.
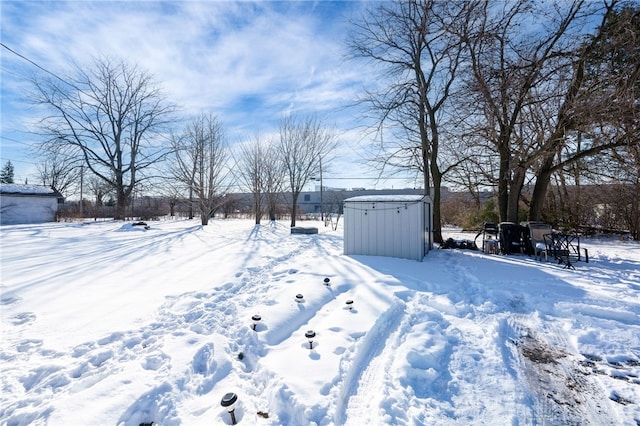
x=418, y=46
x=599, y=111
x=251, y=171
x=627, y=193
x=302, y=143
x=274, y=179
x=513, y=75
x=59, y=171
x=260, y=170
x=110, y=116
x=201, y=163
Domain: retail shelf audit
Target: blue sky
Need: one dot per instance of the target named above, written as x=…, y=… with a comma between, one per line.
x=248, y=63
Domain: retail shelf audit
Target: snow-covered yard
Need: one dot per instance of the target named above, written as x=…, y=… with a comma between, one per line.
x=107, y=324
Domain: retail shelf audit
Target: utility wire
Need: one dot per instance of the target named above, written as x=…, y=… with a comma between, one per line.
x=35, y=64
x=15, y=140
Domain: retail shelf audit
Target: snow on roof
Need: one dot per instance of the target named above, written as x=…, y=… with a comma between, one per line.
x=385, y=198
x=14, y=188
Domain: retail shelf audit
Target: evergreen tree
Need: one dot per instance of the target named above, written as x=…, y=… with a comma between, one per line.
x=6, y=174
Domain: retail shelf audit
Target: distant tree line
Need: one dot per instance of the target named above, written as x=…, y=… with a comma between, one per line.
x=110, y=123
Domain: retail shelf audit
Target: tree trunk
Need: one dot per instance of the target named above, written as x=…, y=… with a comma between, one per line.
x=294, y=208
x=436, y=177
x=272, y=207
x=515, y=190
x=121, y=206
x=257, y=208
x=437, y=215
x=543, y=178
x=204, y=218
x=190, y=202
x=503, y=180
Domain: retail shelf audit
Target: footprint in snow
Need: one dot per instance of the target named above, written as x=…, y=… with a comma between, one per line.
x=23, y=318
x=203, y=361
x=29, y=345
x=101, y=358
x=10, y=300
x=49, y=376
x=155, y=361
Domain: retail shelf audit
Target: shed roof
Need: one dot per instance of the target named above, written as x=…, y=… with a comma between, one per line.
x=385, y=198
x=33, y=190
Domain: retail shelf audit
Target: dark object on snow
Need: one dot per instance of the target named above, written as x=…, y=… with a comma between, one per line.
x=511, y=237
x=450, y=243
x=490, y=238
x=302, y=230
x=141, y=224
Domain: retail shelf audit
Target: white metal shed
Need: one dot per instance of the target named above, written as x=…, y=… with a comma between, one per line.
x=388, y=225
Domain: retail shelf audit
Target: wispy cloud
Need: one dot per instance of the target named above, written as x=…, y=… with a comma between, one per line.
x=250, y=63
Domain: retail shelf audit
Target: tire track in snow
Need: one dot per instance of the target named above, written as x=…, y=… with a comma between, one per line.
x=369, y=368
x=559, y=386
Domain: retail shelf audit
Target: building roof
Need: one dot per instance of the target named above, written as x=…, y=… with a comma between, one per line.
x=403, y=198
x=32, y=190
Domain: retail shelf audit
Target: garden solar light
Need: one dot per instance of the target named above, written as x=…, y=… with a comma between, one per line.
x=256, y=319
x=349, y=304
x=310, y=334
x=326, y=281
x=299, y=298
x=229, y=402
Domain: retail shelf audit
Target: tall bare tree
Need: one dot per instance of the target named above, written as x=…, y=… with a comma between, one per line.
x=514, y=74
x=274, y=179
x=251, y=169
x=110, y=116
x=260, y=169
x=537, y=105
x=303, y=141
x=201, y=155
x=418, y=47
x=599, y=111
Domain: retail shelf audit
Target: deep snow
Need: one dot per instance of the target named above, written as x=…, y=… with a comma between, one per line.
x=105, y=323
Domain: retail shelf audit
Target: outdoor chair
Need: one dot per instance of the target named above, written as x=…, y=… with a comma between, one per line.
x=534, y=239
x=490, y=240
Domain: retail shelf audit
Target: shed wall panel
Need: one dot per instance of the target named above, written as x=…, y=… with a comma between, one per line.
x=395, y=229
x=21, y=209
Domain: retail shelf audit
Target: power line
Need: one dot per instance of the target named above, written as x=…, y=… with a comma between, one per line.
x=35, y=64
x=15, y=140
